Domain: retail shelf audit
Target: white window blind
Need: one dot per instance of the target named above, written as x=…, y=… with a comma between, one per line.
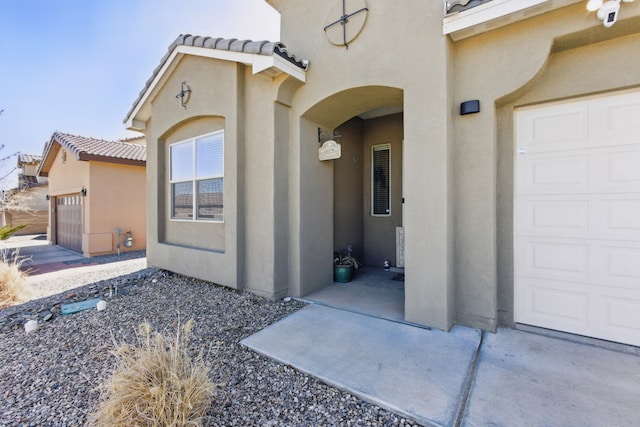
x=381, y=180
x=197, y=178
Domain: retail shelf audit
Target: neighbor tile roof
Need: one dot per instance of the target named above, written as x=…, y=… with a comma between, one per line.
x=453, y=6
x=84, y=148
x=28, y=159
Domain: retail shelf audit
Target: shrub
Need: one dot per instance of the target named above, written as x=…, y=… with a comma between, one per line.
x=12, y=278
x=8, y=231
x=155, y=383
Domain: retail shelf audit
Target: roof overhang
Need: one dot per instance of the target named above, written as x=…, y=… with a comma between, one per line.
x=495, y=14
x=269, y=65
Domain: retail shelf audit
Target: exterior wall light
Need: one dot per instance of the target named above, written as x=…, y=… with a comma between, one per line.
x=48, y=197
x=606, y=11
x=83, y=192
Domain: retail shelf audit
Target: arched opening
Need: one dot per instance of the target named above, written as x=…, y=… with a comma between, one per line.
x=365, y=196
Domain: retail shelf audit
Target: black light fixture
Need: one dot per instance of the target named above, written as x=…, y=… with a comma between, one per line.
x=83, y=192
x=469, y=107
x=48, y=197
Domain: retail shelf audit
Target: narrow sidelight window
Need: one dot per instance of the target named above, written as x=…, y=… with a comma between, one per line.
x=381, y=180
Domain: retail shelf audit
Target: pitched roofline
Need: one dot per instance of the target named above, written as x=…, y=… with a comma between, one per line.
x=57, y=141
x=262, y=56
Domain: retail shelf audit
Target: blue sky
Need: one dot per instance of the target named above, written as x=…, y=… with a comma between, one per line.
x=76, y=66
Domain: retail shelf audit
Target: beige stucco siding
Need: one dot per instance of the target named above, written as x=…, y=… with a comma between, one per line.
x=116, y=197
x=286, y=211
x=368, y=64
x=209, y=250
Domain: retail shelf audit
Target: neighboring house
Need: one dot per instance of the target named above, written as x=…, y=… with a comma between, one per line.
x=493, y=152
x=97, y=193
x=27, y=204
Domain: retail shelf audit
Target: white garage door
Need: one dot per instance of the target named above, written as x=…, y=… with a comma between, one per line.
x=577, y=216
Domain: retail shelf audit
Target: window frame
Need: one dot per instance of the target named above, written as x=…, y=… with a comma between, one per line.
x=194, y=180
x=374, y=148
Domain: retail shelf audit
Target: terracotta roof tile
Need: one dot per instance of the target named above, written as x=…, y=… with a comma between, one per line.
x=80, y=145
x=86, y=149
x=28, y=159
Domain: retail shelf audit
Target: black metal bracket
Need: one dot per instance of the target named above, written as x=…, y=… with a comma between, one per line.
x=343, y=21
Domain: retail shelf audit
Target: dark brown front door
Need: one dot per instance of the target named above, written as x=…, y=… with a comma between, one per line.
x=69, y=222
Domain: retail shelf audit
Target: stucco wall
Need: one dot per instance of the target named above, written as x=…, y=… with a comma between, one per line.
x=116, y=197
x=342, y=83
x=195, y=249
x=245, y=250
x=380, y=231
x=349, y=211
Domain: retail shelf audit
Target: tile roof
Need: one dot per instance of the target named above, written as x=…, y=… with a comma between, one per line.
x=453, y=6
x=28, y=159
x=86, y=149
x=264, y=47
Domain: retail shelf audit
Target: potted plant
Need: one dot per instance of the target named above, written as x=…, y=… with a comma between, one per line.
x=344, y=266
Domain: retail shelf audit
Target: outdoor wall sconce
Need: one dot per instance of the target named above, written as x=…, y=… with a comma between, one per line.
x=184, y=94
x=83, y=192
x=607, y=11
x=48, y=197
x=470, y=107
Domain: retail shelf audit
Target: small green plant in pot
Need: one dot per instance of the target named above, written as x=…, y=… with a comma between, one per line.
x=344, y=266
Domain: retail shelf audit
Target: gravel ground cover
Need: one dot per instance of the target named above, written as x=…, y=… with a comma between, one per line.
x=49, y=377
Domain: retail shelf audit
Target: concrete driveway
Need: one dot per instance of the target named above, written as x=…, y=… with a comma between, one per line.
x=464, y=377
x=40, y=257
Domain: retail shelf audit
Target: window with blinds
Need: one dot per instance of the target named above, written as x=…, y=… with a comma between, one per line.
x=381, y=180
x=197, y=178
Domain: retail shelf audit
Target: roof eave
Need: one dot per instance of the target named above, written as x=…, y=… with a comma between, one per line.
x=48, y=156
x=271, y=65
x=109, y=159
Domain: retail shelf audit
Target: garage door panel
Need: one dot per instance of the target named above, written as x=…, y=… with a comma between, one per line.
x=551, y=174
x=615, y=120
x=549, y=259
x=542, y=215
x=577, y=217
x=622, y=314
x=620, y=266
x=615, y=170
x=556, y=129
x=616, y=218
x=554, y=303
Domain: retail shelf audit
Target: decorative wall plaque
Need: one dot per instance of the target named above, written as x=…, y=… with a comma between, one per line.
x=330, y=150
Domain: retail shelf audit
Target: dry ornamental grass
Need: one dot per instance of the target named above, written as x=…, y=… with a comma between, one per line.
x=12, y=278
x=155, y=384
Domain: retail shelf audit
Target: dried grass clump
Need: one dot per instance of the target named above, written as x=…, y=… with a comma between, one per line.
x=155, y=384
x=12, y=278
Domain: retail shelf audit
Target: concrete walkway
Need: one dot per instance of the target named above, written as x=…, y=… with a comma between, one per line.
x=464, y=377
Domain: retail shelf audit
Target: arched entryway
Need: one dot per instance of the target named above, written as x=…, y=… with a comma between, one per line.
x=365, y=190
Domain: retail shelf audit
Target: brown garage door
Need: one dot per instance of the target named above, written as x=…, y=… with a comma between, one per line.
x=69, y=221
